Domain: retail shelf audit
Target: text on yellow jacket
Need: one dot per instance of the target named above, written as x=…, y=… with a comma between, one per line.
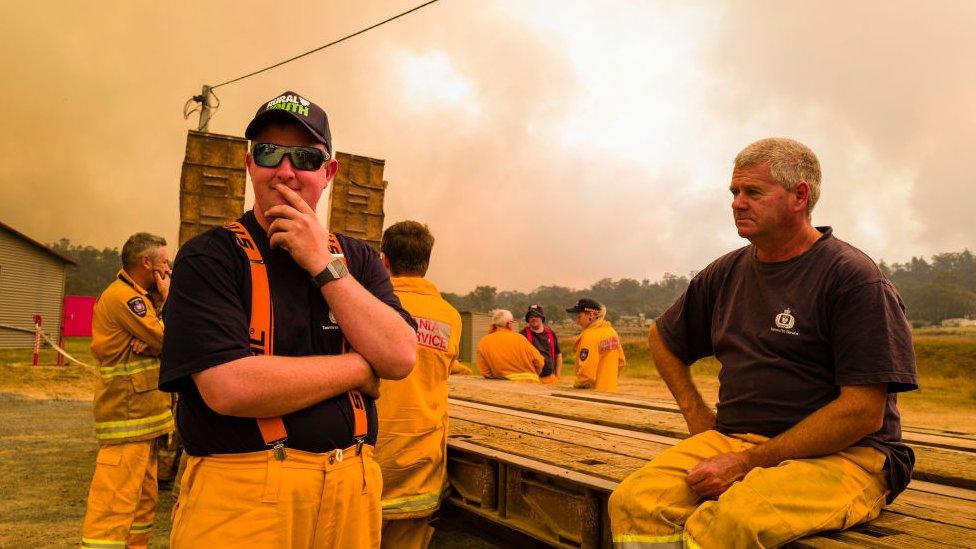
x=411, y=447
x=599, y=357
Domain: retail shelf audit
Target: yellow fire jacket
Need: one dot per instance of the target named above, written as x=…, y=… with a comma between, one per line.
x=504, y=354
x=599, y=357
x=128, y=405
x=411, y=448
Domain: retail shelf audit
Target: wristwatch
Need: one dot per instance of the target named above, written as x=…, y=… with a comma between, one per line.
x=335, y=270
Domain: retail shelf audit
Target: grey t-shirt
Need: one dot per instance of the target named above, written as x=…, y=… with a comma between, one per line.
x=790, y=334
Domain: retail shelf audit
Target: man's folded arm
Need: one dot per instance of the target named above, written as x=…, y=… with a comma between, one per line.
x=268, y=386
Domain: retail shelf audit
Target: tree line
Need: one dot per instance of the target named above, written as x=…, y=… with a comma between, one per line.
x=624, y=297
x=943, y=287
x=96, y=267
x=935, y=290
x=940, y=288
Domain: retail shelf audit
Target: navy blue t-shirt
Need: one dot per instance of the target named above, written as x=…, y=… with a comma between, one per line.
x=790, y=334
x=207, y=318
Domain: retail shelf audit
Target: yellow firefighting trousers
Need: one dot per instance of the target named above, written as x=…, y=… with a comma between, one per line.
x=122, y=498
x=167, y=456
x=654, y=507
x=253, y=500
x=412, y=533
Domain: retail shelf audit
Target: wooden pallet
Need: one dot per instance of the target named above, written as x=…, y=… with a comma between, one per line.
x=543, y=460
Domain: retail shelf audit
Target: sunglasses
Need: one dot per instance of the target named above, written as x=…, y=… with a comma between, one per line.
x=269, y=155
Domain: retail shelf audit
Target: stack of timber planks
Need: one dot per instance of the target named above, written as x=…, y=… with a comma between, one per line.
x=542, y=460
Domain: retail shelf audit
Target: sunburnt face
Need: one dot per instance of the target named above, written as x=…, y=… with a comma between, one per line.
x=161, y=263
x=584, y=319
x=157, y=261
x=760, y=205
x=308, y=184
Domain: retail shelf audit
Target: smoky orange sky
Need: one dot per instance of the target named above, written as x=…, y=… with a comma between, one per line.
x=543, y=142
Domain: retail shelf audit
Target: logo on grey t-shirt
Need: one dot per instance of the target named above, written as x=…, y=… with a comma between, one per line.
x=332, y=325
x=784, y=322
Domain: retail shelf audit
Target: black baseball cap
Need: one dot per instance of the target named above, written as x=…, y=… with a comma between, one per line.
x=290, y=105
x=535, y=310
x=585, y=304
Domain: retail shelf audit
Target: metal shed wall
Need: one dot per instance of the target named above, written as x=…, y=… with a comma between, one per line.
x=31, y=282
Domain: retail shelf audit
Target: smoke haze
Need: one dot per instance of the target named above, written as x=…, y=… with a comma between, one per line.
x=543, y=143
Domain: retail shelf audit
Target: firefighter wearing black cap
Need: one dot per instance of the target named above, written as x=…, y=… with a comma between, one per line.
x=277, y=335
x=544, y=339
x=598, y=354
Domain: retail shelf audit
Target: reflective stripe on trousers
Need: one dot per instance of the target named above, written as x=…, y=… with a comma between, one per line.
x=412, y=504
x=673, y=541
x=122, y=498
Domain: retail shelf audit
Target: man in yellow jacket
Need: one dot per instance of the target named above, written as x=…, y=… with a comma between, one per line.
x=506, y=354
x=130, y=412
x=599, y=355
x=411, y=447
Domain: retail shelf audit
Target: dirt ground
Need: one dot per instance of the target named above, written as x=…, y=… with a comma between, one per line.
x=47, y=445
x=47, y=451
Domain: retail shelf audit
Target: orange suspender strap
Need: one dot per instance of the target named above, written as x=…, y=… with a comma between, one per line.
x=261, y=338
x=361, y=426
x=261, y=332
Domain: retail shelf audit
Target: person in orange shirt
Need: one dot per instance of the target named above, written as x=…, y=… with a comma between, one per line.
x=505, y=354
x=411, y=447
x=599, y=356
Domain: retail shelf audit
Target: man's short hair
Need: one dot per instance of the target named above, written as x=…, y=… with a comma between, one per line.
x=501, y=317
x=789, y=163
x=407, y=246
x=139, y=245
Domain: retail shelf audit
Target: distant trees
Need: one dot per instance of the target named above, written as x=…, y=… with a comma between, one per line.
x=944, y=287
x=937, y=290
x=622, y=297
x=96, y=268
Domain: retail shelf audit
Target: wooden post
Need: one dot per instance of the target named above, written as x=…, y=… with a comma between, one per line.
x=205, y=113
x=61, y=340
x=38, y=319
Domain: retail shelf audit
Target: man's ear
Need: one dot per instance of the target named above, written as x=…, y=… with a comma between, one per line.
x=801, y=193
x=331, y=168
x=248, y=162
x=386, y=262
x=146, y=262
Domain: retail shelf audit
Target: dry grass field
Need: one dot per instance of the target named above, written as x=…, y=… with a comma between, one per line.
x=47, y=446
x=946, y=360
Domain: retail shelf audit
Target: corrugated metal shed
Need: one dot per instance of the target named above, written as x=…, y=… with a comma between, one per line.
x=32, y=280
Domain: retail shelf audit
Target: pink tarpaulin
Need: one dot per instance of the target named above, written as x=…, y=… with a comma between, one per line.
x=78, y=315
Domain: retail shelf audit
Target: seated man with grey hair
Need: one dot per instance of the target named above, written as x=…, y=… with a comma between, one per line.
x=505, y=354
x=814, y=346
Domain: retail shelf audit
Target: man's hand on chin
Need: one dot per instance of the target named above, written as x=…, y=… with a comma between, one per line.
x=295, y=228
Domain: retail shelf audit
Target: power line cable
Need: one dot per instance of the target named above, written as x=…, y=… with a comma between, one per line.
x=320, y=48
